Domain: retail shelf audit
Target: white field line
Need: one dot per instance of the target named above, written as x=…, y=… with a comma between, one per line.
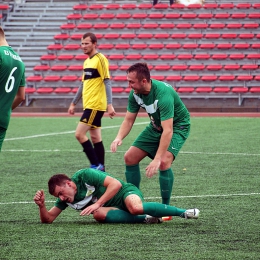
x=152, y=198
x=108, y=151
x=63, y=133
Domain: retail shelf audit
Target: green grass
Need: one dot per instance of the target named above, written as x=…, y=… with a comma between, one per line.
x=217, y=171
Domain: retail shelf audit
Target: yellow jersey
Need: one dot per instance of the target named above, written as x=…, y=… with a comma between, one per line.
x=95, y=71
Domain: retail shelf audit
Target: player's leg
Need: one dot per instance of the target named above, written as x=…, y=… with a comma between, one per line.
x=2, y=136
x=83, y=127
x=132, y=158
x=136, y=206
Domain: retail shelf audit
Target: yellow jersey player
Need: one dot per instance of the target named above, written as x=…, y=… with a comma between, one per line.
x=96, y=96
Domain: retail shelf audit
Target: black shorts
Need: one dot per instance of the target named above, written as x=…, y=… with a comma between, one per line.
x=92, y=117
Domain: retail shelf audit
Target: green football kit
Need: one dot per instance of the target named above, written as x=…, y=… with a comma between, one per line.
x=90, y=187
x=162, y=103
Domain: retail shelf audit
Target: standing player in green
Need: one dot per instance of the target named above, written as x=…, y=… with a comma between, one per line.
x=110, y=200
x=12, y=83
x=96, y=96
x=163, y=138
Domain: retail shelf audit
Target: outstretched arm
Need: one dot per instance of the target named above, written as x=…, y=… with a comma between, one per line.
x=124, y=130
x=45, y=215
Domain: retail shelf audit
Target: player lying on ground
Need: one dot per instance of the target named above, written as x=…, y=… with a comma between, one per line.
x=110, y=200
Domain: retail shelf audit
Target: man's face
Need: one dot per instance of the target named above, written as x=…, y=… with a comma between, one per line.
x=65, y=192
x=87, y=46
x=135, y=84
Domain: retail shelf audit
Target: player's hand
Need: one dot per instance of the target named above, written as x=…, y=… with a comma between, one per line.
x=115, y=143
x=111, y=111
x=39, y=198
x=152, y=168
x=90, y=209
x=71, y=109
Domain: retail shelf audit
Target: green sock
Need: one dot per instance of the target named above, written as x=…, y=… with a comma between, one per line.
x=133, y=175
x=121, y=216
x=166, y=180
x=156, y=209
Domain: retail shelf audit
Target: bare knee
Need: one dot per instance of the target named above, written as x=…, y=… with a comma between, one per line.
x=135, y=209
x=166, y=162
x=99, y=215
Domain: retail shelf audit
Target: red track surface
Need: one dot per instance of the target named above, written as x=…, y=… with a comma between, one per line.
x=194, y=114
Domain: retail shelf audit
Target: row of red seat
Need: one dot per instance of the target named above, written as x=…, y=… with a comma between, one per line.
x=163, y=36
x=166, y=56
x=152, y=46
x=224, y=77
x=148, y=6
x=161, y=25
x=165, y=67
x=125, y=16
x=188, y=89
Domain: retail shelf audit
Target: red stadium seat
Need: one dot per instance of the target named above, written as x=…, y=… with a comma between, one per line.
x=62, y=90
x=145, y=6
x=236, y=56
x=51, y=78
x=162, y=67
x=74, y=16
x=191, y=77
x=150, y=26
x=166, y=26
x=101, y=26
x=133, y=26
x=122, y=46
x=200, y=26
x=214, y=67
x=120, y=78
x=80, y=7
x=207, y=46
x=174, y=78
x=106, y=46
x=48, y=57
x=112, y=6
x=173, y=46
x=145, y=36
x=202, y=56
x=210, y=6
x=117, y=89
x=96, y=7
x=139, y=16
x=75, y=67
x=150, y=56
x=195, y=36
x=243, y=5
x=190, y=46
x=254, y=16
x=231, y=67
x=106, y=16
x=205, y=16
x=212, y=35
x=167, y=56
x=249, y=66
x=219, y=56
x=76, y=36
x=189, y=16
x=180, y=67
x=244, y=77
x=44, y=90
x=208, y=77
x=36, y=78
x=67, y=57
x=128, y=35
x=178, y=36
x=74, y=90
x=239, y=90
x=81, y=57
x=184, y=26
x=84, y=26
x=41, y=67
x=172, y=15
x=238, y=15
x=254, y=90
x=234, y=26
x=251, y=25
x=117, y=26
x=29, y=90
x=158, y=77
x=221, y=89
x=90, y=16
x=217, y=26
x=194, y=6
x=68, y=26
x=123, y=16
x=161, y=36
x=226, y=77
x=185, y=89
x=253, y=56
x=241, y=45
x=133, y=56
x=124, y=67
x=161, y=6
x=113, y=67
x=222, y=16
x=59, y=67
x=177, y=6
x=224, y=46
x=226, y=5
x=111, y=36
x=155, y=15
x=55, y=47
x=203, y=89
x=246, y=36
x=139, y=46
x=256, y=5
x=156, y=46
x=62, y=36
x=72, y=47
x=198, y=67
x=69, y=78
x=128, y=6
x=116, y=57
x=229, y=36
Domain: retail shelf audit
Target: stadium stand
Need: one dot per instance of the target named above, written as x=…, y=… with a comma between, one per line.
x=204, y=46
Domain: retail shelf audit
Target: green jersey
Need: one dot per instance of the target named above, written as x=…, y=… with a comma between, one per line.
x=161, y=103
x=90, y=187
x=12, y=76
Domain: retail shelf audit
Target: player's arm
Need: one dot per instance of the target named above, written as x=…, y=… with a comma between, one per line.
x=112, y=187
x=20, y=96
x=75, y=100
x=124, y=130
x=163, y=147
x=46, y=216
x=110, y=108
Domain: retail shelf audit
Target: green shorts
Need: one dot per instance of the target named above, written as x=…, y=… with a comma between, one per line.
x=128, y=189
x=149, y=139
x=2, y=136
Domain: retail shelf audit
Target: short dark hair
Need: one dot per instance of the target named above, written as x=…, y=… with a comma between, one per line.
x=142, y=71
x=92, y=37
x=57, y=180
